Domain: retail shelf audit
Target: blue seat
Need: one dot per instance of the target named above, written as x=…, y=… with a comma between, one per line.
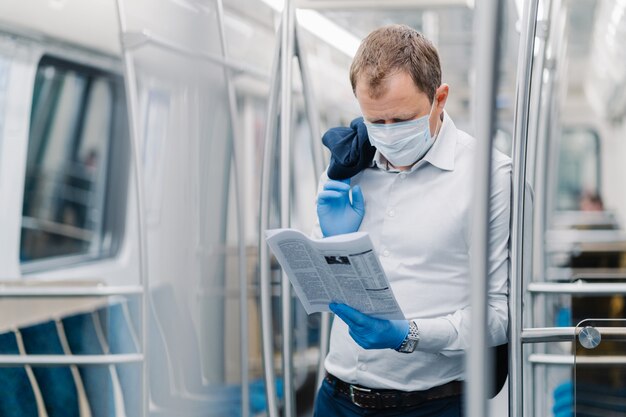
x=82, y=338
x=121, y=338
x=56, y=384
x=17, y=398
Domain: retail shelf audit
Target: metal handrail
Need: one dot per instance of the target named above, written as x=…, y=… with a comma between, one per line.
x=65, y=360
x=135, y=39
x=578, y=288
x=267, y=170
x=318, y=166
x=286, y=70
x=550, y=359
x=568, y=334
x=520, y=142
x=487, y=29
x=575, y=360
x=238, y=177
x=41, y=291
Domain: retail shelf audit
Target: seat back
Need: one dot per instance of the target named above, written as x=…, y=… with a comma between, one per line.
x=56, y=384
x=17, y=398
x=179, y=336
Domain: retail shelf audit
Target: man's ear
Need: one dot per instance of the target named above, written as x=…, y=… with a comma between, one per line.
x=441, y=96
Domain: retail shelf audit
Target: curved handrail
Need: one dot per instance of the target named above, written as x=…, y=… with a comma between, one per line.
x=517, y=271
x=318, y=166
x=286, y=60
x=267, y=171
x=238, y=178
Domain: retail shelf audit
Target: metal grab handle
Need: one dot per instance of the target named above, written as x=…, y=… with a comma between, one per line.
x=568, y=334
x=70, y=291
x=578, y=288
x=65, y=360
x=571, y=360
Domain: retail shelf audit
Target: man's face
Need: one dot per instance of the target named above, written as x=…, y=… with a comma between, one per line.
x=400, y=101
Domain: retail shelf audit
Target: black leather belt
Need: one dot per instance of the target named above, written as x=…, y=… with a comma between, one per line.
x=383, y=398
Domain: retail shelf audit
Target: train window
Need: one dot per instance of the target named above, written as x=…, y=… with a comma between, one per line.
x=578, y=186
x=77, y=161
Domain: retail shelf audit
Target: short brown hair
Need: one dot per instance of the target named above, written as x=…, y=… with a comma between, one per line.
x=396, y=48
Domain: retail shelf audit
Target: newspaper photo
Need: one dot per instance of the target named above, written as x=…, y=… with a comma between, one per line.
x=341, y=269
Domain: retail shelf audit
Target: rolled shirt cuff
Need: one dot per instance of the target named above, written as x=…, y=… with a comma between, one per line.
x=435, y=334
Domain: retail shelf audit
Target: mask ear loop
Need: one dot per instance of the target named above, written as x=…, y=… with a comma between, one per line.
x=438, y=126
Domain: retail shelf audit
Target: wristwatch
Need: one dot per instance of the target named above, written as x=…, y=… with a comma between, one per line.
x=411, y=340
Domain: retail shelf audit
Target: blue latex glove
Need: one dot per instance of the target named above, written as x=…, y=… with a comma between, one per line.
x=336, y=213
x=370, y=332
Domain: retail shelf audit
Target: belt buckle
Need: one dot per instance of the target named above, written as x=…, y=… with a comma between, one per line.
x=359, y=389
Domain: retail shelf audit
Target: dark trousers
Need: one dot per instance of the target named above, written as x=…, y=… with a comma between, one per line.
x=333, y=404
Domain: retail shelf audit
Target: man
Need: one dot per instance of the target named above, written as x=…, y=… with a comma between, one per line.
x=414, y=199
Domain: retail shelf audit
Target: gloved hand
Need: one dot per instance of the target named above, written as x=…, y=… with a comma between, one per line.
x=337, y=215
x=370, y=332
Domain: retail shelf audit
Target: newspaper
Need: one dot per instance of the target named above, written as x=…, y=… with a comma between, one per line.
x=341, y=269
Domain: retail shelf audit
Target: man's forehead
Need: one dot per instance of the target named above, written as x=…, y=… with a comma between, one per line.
x=398, y=101
x=397, y=86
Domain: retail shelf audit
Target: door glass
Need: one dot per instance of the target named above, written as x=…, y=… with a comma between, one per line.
x=599, y=387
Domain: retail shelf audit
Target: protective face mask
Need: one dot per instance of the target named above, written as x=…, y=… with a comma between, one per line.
x=402, y=143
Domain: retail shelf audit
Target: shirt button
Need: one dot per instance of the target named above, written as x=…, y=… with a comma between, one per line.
x=385, y=252
x=402, y=176
x=391, y=213
x=363, y=367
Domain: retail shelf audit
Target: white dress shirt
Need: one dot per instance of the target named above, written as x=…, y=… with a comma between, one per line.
x=420, y=224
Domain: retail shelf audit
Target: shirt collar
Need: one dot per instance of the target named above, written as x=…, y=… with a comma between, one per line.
x=441, y=154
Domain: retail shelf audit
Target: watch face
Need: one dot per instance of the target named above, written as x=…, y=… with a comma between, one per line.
x=410, y=346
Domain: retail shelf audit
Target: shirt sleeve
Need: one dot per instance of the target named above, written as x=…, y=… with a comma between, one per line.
x=450, y=334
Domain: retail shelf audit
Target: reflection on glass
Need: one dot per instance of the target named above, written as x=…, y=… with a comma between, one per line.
x=579, y=171
x=599, y=387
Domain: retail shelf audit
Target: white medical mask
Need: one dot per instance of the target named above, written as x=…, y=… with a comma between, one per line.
x=402, y=143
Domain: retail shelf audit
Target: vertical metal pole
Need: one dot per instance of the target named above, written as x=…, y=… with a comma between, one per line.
x=267, y=171
x=520, y=138
x=241, y=232
x=130, y=81
x=318, y=165
x=287, y=54
x=310, y=106
x=479, y=376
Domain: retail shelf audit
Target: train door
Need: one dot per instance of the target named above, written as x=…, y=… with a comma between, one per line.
x=568, y=249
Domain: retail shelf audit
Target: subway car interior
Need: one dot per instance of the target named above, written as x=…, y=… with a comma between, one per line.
x=146, y=146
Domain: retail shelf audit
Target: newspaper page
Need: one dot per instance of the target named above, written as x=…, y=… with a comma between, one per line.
x=341, y=269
